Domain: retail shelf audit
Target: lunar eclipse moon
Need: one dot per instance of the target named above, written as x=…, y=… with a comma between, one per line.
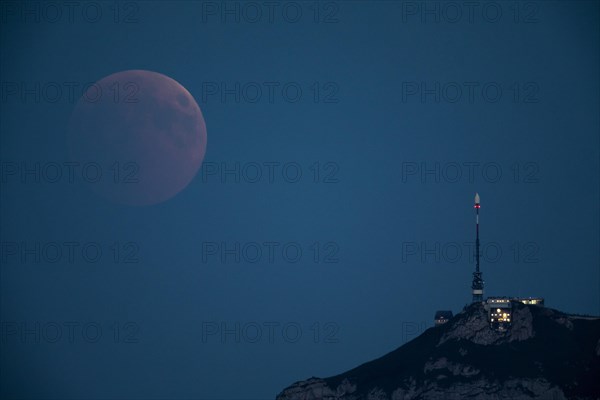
x=143, y=132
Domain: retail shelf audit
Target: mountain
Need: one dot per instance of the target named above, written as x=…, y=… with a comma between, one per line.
x=544, y=354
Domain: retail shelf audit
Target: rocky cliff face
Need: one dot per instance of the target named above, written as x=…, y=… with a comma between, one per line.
x=545, y=354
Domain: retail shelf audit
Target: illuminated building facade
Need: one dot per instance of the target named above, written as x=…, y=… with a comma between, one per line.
x=536, y=301
x=500, y=309
x=442, y=316
x=499, y=312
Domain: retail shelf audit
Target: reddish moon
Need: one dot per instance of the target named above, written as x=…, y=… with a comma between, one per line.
x=139, y=137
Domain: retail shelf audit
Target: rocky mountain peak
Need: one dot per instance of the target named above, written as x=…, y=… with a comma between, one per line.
x=544, y=354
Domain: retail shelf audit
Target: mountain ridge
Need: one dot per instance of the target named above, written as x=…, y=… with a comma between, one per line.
x=545, y=354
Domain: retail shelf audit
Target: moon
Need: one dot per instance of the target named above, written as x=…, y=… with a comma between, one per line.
x=138, y=136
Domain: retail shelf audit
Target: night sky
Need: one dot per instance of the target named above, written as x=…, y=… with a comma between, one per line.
x=333, y=214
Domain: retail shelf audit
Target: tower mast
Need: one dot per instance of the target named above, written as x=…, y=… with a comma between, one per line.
x=477, y=285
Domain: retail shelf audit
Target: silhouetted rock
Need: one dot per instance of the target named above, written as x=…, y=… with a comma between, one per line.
x=545, y=354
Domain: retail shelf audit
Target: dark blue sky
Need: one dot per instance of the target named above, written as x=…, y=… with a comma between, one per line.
x=397, y=98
